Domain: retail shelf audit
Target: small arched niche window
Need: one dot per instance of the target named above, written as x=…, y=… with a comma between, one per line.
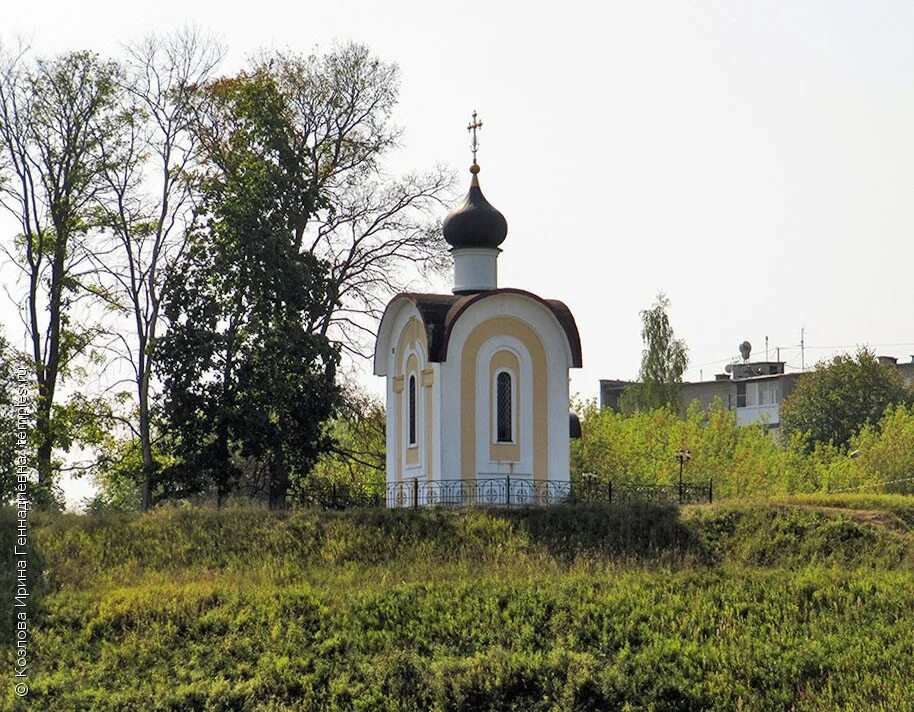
x=504, y=408
x=411, y=406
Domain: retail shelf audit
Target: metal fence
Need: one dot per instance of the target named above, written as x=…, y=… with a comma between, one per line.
x=500, y=492
x=678, y=493
x=523, y=492
x=483, y=492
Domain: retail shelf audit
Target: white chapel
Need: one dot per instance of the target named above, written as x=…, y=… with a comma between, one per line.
x=477, y=380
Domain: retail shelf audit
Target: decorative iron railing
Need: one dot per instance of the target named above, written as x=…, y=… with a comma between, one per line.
x=524, y=492
x=483, y=492
x=500, y=492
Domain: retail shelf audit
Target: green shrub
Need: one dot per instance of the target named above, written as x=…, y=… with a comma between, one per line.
x=743, y=461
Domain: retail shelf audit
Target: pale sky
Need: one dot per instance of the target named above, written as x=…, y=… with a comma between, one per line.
x=754, y=161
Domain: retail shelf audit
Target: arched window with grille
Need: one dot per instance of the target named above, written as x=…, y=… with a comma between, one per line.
x=411, y=410
x=504, y=408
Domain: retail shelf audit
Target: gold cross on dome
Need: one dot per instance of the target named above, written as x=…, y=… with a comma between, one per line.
x=472, y=127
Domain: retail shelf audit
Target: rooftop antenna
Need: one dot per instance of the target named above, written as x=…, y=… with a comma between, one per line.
x=766, y=348
x=803, y=348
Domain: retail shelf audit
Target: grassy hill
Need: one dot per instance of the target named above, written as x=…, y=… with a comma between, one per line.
x=793, y=603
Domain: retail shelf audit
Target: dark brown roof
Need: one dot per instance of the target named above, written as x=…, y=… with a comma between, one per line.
x=441, y=311
x=475, y=223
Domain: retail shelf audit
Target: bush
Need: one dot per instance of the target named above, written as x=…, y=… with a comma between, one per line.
x=744, y=461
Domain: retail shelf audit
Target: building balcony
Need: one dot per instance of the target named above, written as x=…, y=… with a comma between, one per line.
x=766, y=414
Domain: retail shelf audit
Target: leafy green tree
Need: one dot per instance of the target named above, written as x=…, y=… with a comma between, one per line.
x=663, y=361
x=244, y=374
x=52, y=113
x=377, y=232
x=146, y=211
x=353, y=470
x=833, y=402
x=120, y=472
x=885, y=453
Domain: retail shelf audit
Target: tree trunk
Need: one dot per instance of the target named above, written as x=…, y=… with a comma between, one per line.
x=146, y=448
x=279, y=478
x=45, y=443
x=47, y=372
x=145, y=437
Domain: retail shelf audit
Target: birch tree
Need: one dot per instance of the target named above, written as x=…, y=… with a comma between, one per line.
x=663, y=361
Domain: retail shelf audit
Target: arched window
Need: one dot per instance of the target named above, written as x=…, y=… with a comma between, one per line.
x=411, y=415
x=504, y=408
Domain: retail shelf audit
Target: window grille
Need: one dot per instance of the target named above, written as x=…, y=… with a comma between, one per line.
x=412, y=410
x=504, y=409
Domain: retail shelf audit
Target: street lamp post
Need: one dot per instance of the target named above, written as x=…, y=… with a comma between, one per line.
x=683, y=454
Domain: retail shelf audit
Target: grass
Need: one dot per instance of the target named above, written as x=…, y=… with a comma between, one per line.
x=800, y=603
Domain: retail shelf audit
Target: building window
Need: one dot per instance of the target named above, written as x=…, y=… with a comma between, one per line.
x=769, y=393
x=504, y=408
x=760, y=393
x=411, y=414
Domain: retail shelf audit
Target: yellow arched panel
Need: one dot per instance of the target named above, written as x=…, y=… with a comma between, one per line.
x=503, y=326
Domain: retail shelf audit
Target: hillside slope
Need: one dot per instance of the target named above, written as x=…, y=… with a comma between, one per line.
x=800, y=603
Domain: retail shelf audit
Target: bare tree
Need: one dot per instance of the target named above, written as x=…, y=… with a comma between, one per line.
x=378, y=233
x=148, y=208
x=52, y=113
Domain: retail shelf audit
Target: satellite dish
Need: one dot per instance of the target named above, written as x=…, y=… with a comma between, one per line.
x=728, y=368
x=745, y=349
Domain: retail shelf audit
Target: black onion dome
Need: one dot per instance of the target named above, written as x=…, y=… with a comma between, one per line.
x=475, y=223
